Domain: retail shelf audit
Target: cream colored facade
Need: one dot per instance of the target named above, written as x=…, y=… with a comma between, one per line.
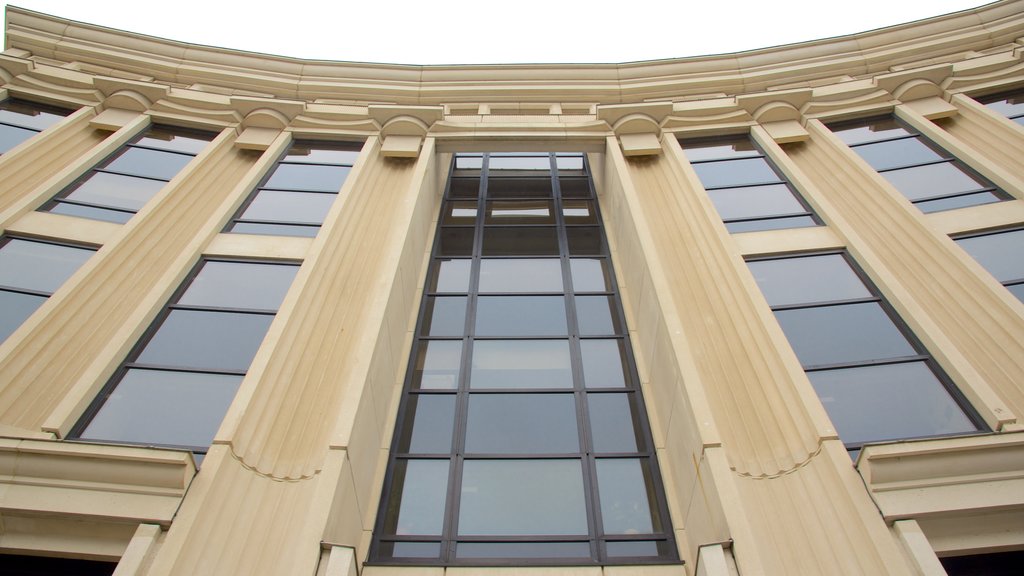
x=756, y=477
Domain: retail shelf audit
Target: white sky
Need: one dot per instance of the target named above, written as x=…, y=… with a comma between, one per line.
x=481, y=32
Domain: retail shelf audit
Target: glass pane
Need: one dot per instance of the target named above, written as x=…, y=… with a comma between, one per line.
x=150, y=163
x=275, y=229
x=522, y=424
x=1001, y=254
x=163, y=407
x=584, y=240
x=521, y=364
x=895, y=153
x=411, y=549
x=579, y=212
x=11, y=136
x=595, y=317
x=533, y=550
x=887, y=402
x=627, y=491
x=444, y=316
x=465, y=187
x=614, y=423
x=519, y=187
x=877, y=130
x=1017, y=290
x=428, y=424
x=932, y=180
x=456, y=242
x=201, y=339
x=520, y=212
x=806, y=280
x=574, y=187
x=15, y=308
x=638, y=549
x=240, y=285
x=590, y=275
x=604, y=363
x=308, y=177
x=521, y=316
x=116, y=191
x=437, y=365
x=519, y=163
x=1009, y=106
x=522, y=497
x=569, y=162
x=460, y=213
x=37, y=265
x=469, y=162
x=741, y=148
x=735, y=173
x=171, y=140
x=755, y=201
x=839, y=334
x=90, y=212
x=27, y=115
x=772, y=224
x=303, y=153
x=450, y=276
x=929, y=206
x=521, y=275
x=520, y=242
x=277, y=206
x=418, y=494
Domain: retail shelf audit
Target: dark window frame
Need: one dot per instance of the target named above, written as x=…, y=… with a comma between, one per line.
x=988, y=187
x=780, y=180
x=596, y=541
x=130, y=360
x=922, y=355
x=62, y=197
x=237, y=217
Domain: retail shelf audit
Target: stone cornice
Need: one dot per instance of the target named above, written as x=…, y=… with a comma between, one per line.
x=180, y=64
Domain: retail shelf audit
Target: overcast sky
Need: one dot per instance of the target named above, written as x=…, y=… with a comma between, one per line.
x=480, y=32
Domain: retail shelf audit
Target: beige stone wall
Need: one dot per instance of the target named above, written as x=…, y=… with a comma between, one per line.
x=757, y=479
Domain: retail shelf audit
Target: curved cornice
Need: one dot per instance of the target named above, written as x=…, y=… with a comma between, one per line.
x=951, y=37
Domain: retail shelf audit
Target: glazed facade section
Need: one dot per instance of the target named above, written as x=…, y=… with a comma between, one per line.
x=745, y=314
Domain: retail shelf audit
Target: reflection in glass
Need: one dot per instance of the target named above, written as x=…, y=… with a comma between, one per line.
x=595, y=316
x=755, y=201
x=444, y=316
x=455, y=242
x=735, y=173
x=521, y=275
x=896, y=153
x=584, y=240
x=930, y=180
x=626, y=495
x=437, y=365
x=205, y=339
x=460, y=213
x=741, y=148
x=308, y=177
x=15, y=308
x=522, y=424
x=614, y=423
x=807, y=280
x=240, y=285
x=840, y=334
x=299, y=207
x=149, y=163
x=450, y=276
x=1002, y=254
x=521, y=316
x=417, y=507
x=532, y=241
x=521, y=364
x=147, y=407
x=520, y=212
x=116, y=191
x=519, y=187
x=39, y=266
x=522, y=497
x=522, y=550
x=877, y=130
x=590, y=275
x=69, y=209
x=901, y=400
x=603, y=363
x=429, y=420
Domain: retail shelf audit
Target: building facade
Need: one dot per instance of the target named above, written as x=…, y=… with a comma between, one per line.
x=758, y=313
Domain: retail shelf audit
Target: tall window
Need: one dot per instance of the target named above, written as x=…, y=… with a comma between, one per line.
x=875, y=379
x=1002, y=254
x=746, y=189
x=931, y=178
x=295, y=196
x=178, y=381
x=1010, y=105
x=30, y=271
x=522, y=434
x=122, y=184
x=20, y=120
